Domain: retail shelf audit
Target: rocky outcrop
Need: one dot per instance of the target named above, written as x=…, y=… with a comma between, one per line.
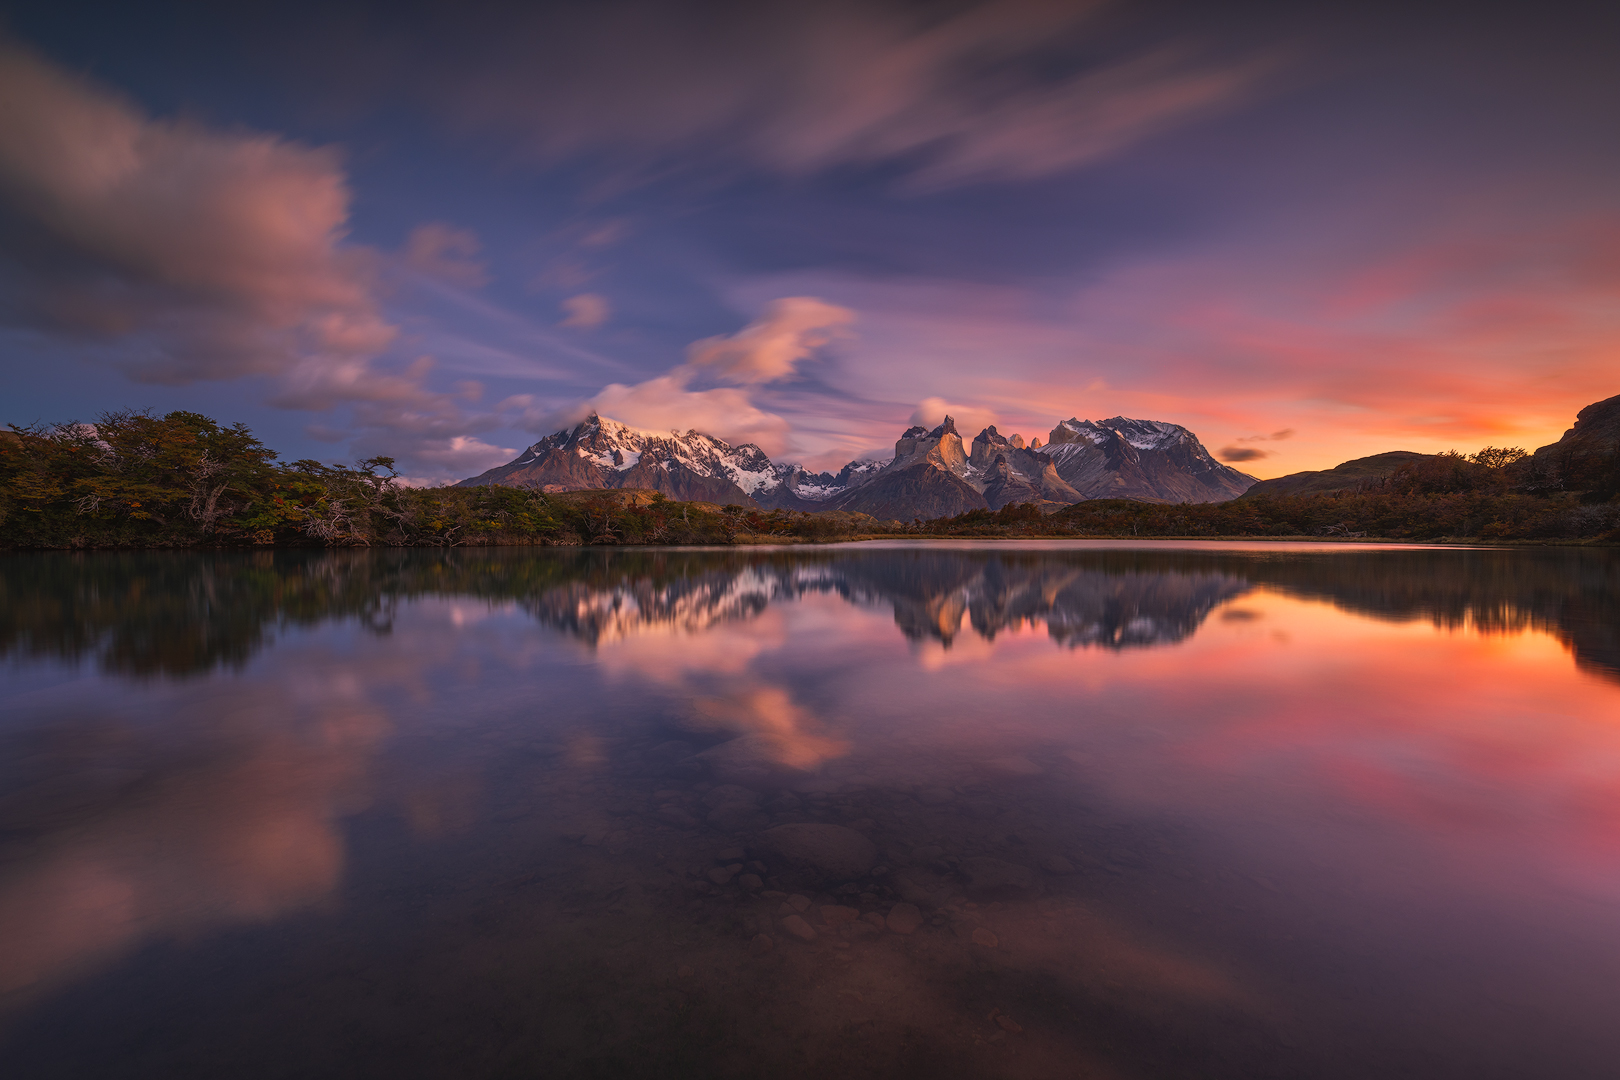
x=918, y=489
x=1585, y=459
x=1149, y=460
x=1004, y=486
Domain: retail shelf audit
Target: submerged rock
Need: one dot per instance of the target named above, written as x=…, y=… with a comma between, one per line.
x=904, y=918
x=720, y=875
x=800, y=929
x=735, y=819
x=730, y=795
x=748, y=761
x=835, y=914
x=832, y=851
x=993, y=879
x=922, y=887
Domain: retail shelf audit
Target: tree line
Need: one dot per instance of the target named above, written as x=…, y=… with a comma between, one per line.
x=139, y=480
x=1497, y=494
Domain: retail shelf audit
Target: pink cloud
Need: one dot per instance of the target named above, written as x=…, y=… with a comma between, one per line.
x=586, y=311
x=222, y=251
x=200, y=254
x=447, y=253
x=970, y=419
x=791, y=330
x=665, y=404
x=1453, y=336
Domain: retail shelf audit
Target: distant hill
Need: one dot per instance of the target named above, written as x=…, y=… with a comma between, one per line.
x=1350, y=476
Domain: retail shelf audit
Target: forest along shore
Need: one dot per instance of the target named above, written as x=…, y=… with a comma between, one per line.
x=135, y=480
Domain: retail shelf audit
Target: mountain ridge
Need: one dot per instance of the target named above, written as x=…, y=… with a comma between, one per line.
x=932, y=473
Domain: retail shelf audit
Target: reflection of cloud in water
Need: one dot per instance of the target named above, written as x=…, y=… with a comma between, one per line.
x=240, y=828
x=785, y=732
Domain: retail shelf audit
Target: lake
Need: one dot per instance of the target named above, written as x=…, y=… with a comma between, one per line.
x=897, y=809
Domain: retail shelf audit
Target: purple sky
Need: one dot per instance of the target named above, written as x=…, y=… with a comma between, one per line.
x=438, y=232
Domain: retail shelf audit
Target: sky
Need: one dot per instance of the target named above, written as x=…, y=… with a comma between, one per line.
x=439, y=232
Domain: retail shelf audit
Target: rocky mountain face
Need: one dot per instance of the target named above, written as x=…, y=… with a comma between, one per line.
x=603, y=453
x=932, y=474
x=1148, y=460
x=1586, y=459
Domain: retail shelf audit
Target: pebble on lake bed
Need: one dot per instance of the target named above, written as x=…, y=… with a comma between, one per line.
x=831, y=851
x=800, y=929
x=751, y=882
x=762, y=944
x=674, y=815
x=797, y=902
x=835, y=914
x=981, y=936
x=994, y=879
x=904, y=918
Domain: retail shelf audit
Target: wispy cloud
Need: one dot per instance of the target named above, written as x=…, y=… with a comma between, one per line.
x=445, y=252
x=1010, y=89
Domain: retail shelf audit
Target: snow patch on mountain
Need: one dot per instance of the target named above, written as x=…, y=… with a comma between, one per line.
x=601, y=452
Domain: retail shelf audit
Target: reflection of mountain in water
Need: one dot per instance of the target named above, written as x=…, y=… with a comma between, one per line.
x=601, y=613
x=178, y=613
x=932, y=592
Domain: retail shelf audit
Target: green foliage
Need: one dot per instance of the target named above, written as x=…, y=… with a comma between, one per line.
x=135, y=480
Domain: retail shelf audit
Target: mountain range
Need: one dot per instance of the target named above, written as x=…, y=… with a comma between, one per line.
x=932, y=474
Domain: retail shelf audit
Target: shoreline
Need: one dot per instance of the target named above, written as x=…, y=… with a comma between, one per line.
x=766, y=540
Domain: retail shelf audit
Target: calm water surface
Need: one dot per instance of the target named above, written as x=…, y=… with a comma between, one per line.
x=1169, y=811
